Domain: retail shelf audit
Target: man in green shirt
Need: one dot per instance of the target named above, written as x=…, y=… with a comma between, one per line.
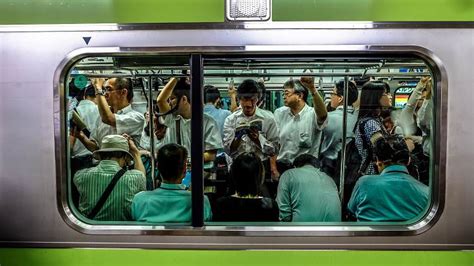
x=171, y=202
x=116, y=153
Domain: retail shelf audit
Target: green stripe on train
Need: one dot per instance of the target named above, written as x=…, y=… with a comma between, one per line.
x=177, y=11
x=117, y=257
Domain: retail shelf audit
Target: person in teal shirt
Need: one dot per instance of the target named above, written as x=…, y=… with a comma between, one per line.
x=393, y=195
x=170, y=202
x=306, y=194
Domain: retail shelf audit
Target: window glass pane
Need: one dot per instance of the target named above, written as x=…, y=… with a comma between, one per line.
x=116, y=120
x=285, y=122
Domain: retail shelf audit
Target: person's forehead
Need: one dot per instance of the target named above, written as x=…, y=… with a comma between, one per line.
x=110, y=82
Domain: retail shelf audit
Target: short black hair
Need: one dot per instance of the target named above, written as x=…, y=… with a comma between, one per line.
x=353, y=93
x=298, y=87
x=211, y=94
x=248, y=87
x=247, y=174
x=181, y=89
x=306, y=159
x=171, y=161
x=125, y=83
x=392, y=150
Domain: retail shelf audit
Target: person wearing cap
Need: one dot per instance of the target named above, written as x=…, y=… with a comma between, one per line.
x=116, y=152
x=170, y=202
x=393, y=195
x=331, y=143
x=114, y=98
x=300, y=125
x=262, y=139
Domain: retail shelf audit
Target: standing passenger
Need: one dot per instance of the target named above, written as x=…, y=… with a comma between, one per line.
x=300, y=125
x=331, y=144
x=119, y=117
x=212, y=98
x=174, y=102
x=251, y=129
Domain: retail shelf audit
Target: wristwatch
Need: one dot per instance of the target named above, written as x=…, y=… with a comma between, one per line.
x=100, y=92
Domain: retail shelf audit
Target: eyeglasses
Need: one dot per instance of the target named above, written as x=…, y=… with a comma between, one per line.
x=109, y=89
x=288, y=93
x=334, y=94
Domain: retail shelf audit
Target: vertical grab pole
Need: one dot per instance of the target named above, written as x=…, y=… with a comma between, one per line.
x=197, y=147
x=151, y=110
x=344, y=139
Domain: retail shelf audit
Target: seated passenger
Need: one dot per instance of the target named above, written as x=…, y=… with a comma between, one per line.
x=306, y=194
x=246, y=204
x=393, y=195
x=115, y=154
x=170, y=202
x=116, y=114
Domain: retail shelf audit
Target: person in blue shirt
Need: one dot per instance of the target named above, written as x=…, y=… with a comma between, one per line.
x=170, y=202
x=393, y=195
x=212, y=98
x=306, y=194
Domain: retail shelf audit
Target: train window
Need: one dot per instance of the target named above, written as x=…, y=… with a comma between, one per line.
x=286, y=121
x=121, y=112
x=286, y=140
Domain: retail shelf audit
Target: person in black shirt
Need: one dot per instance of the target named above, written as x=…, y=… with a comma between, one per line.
x=246, y=204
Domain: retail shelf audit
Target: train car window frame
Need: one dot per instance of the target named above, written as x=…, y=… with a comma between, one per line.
x=437, y=169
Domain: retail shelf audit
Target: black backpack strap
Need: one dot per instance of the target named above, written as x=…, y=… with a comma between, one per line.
x=106, y=194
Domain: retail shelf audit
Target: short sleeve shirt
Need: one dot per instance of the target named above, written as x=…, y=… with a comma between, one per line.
x=127, y=121
x=212, y=137
x=299, y=134
x=89, y=112
x=332, y=133
x=269, y=140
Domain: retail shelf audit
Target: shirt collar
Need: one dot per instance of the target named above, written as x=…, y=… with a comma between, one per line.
x=209, y=107
x=341, y=107
x=172, y=186
x=109, y=164
x=395, y=168
x=125, y=110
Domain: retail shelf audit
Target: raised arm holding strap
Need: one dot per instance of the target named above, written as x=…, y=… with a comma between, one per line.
x=106, y=194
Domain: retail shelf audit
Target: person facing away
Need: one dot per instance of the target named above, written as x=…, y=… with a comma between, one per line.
x=212, y=98
x=247, y=204
x=116, y=152
x=331, y=143
x=306, y=194
x=170, y=202
x=393, y=195
x=114, y=98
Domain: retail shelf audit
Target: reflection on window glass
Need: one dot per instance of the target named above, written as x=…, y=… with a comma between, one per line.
x=284, y=123
x=286, y=139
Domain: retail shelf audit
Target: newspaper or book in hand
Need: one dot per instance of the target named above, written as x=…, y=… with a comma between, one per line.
x=79, y=123
x=245, y=127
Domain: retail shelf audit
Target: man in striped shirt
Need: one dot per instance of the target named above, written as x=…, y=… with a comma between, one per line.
x=116, y=152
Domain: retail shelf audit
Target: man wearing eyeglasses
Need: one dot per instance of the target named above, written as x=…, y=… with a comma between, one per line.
x=251, y=129
x=114, y=98
x=300, y=125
